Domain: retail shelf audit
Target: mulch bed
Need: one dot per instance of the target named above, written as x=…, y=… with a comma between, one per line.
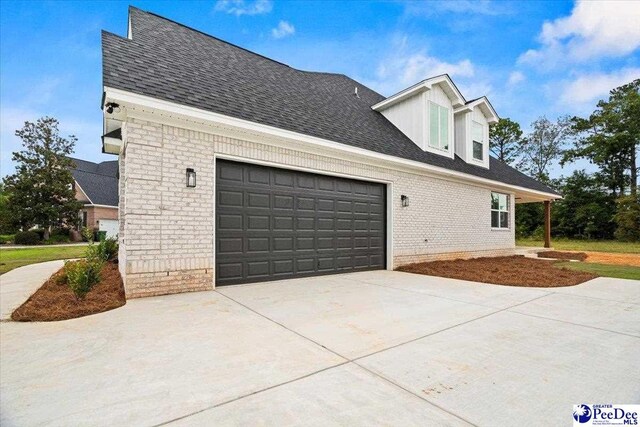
x=509, y=270
x=578, y=256
x=55, y=301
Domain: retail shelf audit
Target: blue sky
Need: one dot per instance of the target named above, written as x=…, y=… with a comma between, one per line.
x=531, y=58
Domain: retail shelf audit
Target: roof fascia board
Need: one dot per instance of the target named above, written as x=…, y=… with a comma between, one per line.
x=199, y=119
x=100, y=206
x=420, y=87
x=83, y=192
x=485, y=106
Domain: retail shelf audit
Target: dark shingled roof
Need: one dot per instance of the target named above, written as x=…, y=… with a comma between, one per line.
x=99, y=181
x=172, y=62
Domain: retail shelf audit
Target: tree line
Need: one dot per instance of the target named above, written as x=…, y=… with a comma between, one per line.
x=597, y=205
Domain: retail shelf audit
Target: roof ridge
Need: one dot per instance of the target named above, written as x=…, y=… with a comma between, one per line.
x=210, y=36
x=96, y=173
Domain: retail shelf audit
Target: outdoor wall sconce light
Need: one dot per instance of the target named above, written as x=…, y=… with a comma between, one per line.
x=405, y=200
x=191, y=178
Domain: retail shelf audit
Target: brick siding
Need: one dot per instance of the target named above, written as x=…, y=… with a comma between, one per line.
x=166, y=230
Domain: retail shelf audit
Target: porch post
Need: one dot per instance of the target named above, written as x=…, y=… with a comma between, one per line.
x=547, y=224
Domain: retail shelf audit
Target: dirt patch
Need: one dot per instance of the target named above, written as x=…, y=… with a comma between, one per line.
x=578, y=256
x=54, y=301
x=632, y=260
x=508, y=270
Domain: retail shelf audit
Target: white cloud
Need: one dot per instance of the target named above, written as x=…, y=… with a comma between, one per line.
x=479, y=7
x=283, y=29
x=240, y=7
x=515, y=77
x=402, y=68
x=595, y=29
x=589, y=88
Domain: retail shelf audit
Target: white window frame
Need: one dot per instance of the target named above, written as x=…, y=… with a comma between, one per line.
x=473, y=140
x=440, y=146
x=500, y=211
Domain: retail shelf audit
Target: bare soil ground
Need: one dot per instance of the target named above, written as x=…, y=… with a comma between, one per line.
x=508, y=270
x=578, y=256
x=613, y=258
x=54, y=301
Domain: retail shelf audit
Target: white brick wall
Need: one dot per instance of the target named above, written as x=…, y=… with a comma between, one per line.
x=167, y=229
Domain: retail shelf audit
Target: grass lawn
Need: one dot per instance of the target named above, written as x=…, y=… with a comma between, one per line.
x=585, y=245
x=605, y=270
x=14, y=258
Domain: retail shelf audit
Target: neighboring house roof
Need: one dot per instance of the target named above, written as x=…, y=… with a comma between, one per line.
x=169, y=61
x=98, y=181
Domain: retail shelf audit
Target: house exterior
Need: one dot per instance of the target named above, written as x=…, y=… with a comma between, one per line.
x=236, y=168
x=96, y=186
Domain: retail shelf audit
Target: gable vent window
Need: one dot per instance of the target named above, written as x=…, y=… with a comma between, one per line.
x=499, y=210
x=438, y=126
x=478, y=141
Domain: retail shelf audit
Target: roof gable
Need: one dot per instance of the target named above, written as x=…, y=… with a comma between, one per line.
x=98, y=181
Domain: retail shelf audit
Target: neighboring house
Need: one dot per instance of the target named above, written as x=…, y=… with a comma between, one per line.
x=236, y=168
x=96, y=185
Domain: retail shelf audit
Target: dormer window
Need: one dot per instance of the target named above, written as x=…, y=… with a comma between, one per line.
x=438, y=126
x=477, y=134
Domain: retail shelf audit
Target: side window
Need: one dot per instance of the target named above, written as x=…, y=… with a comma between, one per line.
x=499, y=210
x=438, y=126
x=477, y=134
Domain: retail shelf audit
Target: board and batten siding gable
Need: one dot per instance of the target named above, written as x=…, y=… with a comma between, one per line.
x=438, y=96
x=409, y=116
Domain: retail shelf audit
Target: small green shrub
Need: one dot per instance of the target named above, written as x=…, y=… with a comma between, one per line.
x=40, y=232
x=82, y=275
x=61, y=277
x=27, y=238
x=57, y=239
x=6, y=238
x=87, y=234
x=106, y=250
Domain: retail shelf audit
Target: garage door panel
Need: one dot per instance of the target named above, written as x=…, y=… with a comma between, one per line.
x=230, y=198
x=258, y=175
x=305, y=243
x=273, y=223
x=258, y=200
x=282, y=201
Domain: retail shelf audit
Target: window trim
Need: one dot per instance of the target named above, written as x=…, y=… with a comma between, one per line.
x=473, y=140
x=447, y=143
x=507, y=210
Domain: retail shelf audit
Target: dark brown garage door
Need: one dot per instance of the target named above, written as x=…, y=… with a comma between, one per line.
x=277, y=224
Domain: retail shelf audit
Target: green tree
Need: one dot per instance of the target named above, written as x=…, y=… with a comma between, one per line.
x=627, y=218
x=7, y=219
x=610, y=138
x=41, y=189
x=586, y=209
x=505, y=139
x=542, y=146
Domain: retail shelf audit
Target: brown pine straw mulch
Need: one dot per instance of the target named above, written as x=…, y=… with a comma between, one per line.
x=507, y=270
x=578, y=256
x=55, y=301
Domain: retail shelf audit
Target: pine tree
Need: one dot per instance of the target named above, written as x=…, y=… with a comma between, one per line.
x=42, y=188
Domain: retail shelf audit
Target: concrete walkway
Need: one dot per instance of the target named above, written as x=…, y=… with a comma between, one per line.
x=373, y=348
x=19, y=284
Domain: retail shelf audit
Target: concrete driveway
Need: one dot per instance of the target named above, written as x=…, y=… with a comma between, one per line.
x=373, y=348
